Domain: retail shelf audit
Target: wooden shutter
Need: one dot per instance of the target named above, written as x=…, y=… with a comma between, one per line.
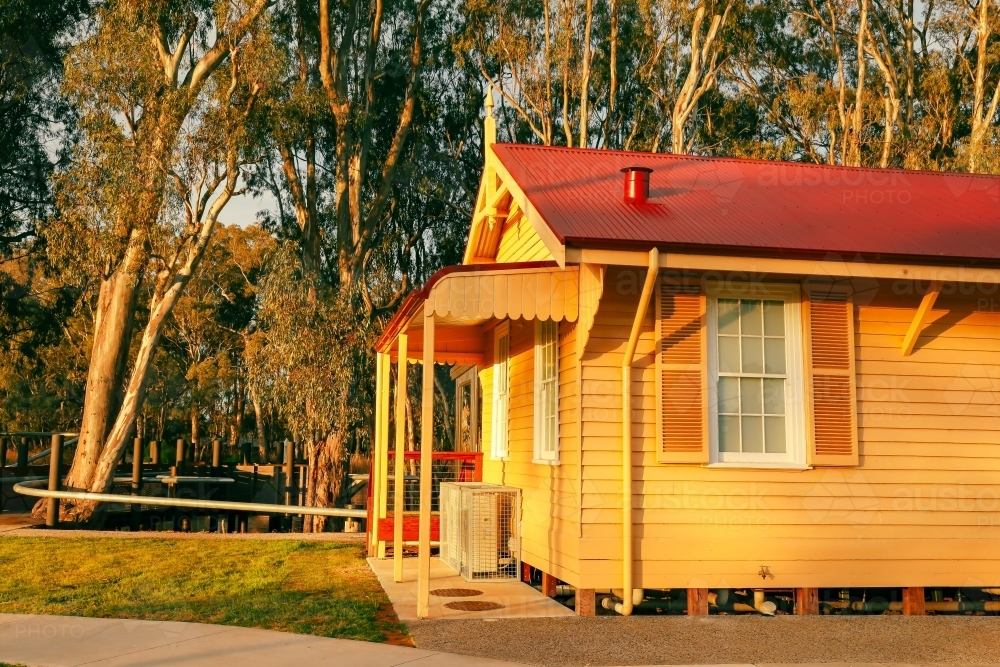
x=682, y=372
x=829, y=328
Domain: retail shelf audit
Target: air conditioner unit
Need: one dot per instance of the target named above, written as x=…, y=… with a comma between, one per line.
x=481, y=530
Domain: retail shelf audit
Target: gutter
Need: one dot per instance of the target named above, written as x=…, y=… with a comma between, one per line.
x=628, y=562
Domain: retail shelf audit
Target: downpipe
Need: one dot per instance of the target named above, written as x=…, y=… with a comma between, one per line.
x=637, y=602
x=628, y=601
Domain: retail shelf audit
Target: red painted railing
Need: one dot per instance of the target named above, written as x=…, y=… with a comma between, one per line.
x=447, y=467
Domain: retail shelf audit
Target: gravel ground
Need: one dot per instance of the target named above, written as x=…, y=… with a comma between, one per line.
x=169, y=535
x=647, y=640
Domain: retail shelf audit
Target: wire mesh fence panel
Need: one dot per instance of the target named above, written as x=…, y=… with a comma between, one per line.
x=480, y=530
x=442, y=471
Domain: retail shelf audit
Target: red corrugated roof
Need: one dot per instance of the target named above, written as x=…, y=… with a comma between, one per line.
x=702, y=203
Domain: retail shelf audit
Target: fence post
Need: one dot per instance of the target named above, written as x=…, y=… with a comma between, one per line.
x=136, y=483
x=289, y=471
x=154, y=452
x=289, y=482
x=216, y=458
x=3, y=452
x=22, y=453
x=55, y=458
x=180, y=456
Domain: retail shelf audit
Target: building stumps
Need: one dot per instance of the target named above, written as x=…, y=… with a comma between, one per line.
x=806, y=601
x=697, y=602
x=913, y=601
x=586, y=602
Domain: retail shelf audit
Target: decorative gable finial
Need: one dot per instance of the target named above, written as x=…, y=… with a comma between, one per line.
x=489, y=124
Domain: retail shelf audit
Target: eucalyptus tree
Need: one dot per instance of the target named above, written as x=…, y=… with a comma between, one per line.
x=627, y=74
x=164, y=93
x=373, y=161
x=32, y=113
x=37, y=312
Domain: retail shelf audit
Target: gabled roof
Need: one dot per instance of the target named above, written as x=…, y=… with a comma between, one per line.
x=704, y=204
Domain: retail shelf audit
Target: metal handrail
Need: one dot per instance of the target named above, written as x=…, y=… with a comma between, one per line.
x=33, y=489
x=44, y=453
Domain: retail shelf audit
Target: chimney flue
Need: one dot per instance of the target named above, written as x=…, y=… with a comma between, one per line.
x=636, y=184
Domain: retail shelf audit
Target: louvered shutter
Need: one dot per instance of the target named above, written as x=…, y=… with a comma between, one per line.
x=682, y=372
x=829, y=326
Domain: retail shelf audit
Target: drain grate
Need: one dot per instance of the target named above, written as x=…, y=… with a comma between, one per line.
x=456, y=592
x=474, y=605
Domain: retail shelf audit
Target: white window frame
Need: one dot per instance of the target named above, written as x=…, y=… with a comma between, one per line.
x=546, y=350
x=795, y=404
x=500, y=442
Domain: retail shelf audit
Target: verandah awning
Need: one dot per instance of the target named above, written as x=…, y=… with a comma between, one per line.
x=464, y=298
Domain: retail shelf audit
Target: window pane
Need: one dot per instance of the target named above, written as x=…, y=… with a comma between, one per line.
x=546, y=379
x=501, y=435
x=774, y=435
x=774, y=396
x=729, y=354
x=751, y=402
x=752, y=351
x=552, y=434
x=501, y=366
x=774, y=356
x=729, y=316
x=751, y=323
x=774, y=318
x=549, y=338
x=752, y=434
x=465, y=417
x=729, y=395
x=729, y=433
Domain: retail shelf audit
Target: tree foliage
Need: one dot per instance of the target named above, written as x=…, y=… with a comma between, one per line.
x=126, y=128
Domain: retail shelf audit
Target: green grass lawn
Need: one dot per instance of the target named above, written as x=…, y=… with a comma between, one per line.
x=314, y=588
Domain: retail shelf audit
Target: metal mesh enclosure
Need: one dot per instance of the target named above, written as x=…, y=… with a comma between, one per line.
x=480, y=530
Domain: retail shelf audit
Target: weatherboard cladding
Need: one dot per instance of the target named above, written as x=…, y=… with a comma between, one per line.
x=759, y=205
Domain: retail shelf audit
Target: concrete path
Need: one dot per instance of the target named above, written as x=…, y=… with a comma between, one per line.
x=71, y=641
x=68, y=641
x=509, y=599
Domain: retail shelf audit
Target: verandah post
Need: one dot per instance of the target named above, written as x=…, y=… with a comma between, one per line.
x=383, y=453
x=400, y=476
x=377, y=464
x=426, y=462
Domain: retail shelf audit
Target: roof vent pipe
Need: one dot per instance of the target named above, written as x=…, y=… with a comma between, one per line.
x=636, y=184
